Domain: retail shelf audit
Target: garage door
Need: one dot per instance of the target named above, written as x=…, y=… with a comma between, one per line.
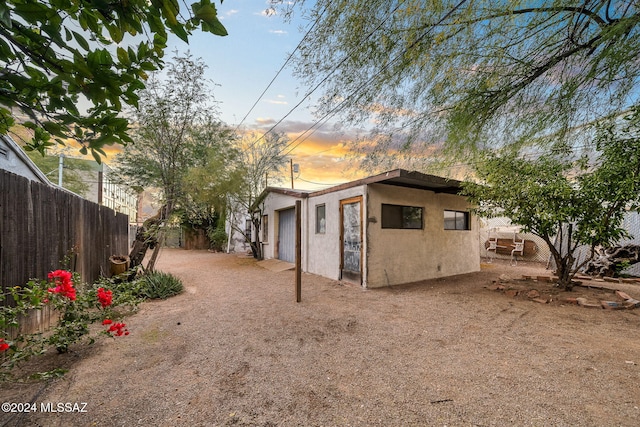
x=287, y=235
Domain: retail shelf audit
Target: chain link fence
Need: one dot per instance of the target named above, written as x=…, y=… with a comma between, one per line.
x=503, y=229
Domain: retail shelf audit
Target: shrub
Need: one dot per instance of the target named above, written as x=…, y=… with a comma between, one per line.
x=159, y=285
x=77, y=305
x=217, y=236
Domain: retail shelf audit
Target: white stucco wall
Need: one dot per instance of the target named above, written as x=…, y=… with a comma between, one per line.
x=237, y=242
x=324, y=249
x=398, y=256
x=273, y=204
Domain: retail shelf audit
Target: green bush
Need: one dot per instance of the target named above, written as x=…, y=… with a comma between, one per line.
x=217, y=236
x=159, y=285
x=126, y=294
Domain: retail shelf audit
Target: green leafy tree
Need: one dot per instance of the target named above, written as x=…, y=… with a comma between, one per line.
x=262, y=160
x=207, y=188
x=563, y=198
x=235, y=178
x=57, y=54
x=176, y=123
x=471, y=73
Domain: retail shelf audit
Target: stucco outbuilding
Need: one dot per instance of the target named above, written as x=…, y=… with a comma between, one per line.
x=388, y=229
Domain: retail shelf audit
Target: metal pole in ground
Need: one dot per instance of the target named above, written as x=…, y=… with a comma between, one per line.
x=298, y=251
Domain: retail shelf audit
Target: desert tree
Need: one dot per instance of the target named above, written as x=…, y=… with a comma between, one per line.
x=71, y=66
x=567, y=198
x=237, y=178
x=469, y=74
x=174, y=127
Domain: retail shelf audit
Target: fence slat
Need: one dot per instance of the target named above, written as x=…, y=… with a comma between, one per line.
x=42, y=224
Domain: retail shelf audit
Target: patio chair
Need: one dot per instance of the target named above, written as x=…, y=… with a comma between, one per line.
x=493, y=246
x=518, y=248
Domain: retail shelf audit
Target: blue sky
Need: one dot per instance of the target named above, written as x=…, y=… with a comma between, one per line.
x=243, y=64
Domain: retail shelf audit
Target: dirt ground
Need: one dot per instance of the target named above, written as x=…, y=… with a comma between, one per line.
x=236, y=349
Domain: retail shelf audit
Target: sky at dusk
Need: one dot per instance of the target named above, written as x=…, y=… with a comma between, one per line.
x=243, y=64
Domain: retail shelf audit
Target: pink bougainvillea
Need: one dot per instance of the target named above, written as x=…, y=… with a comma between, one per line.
x=104, y=297
x=64, y=284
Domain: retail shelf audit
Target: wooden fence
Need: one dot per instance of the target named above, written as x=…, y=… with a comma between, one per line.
x=40, y=225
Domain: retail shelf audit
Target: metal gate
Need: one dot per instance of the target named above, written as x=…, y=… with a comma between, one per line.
x=287, y=235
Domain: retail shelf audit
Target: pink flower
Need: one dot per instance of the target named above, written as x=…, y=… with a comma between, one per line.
x=64, y=284
x=104, y=297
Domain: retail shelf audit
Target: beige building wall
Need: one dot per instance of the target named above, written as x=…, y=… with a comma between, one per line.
x=324, y=248
x=417, y=254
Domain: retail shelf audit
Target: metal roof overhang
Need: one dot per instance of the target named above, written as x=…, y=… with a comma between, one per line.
x=403, y=178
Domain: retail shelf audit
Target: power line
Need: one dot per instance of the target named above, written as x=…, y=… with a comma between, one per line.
x=334, y=110
x=280, y=70
x=308, y=94
x=317, y=183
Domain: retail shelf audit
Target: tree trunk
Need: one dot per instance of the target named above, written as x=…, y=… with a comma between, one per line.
x=256, y=247
x=139, y=249
x=564, y=270
x=611, y=261
x=152, y=262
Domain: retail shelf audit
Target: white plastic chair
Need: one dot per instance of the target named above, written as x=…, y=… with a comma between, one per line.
x=493, y=246
x=518, y=247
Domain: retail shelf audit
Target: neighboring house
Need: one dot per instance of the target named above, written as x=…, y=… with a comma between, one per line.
x=105, y=192
x=388, y=229
x=115, y=196
x=14, y=160
x=238, y=225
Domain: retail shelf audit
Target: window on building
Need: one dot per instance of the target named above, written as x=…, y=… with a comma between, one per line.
x=456, y=220
x=396, y=216
x=321, y=219
x=265, y=228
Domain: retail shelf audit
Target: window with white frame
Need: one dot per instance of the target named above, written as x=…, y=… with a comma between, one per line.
x=456, y=220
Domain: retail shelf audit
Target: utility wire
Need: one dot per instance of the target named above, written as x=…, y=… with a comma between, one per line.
x=280, y=70
x=316, y=183
x=334, y=110
x=308, y=94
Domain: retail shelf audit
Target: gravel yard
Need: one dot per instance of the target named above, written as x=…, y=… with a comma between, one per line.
x=236, y=349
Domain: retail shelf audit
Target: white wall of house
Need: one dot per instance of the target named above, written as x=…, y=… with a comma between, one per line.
x=274, y=203
x=236, y=241
x=324, y=248
x=14, y=160
x=417, y=254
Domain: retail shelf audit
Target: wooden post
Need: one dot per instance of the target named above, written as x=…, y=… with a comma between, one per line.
x=291, y=168
x=298, y=251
